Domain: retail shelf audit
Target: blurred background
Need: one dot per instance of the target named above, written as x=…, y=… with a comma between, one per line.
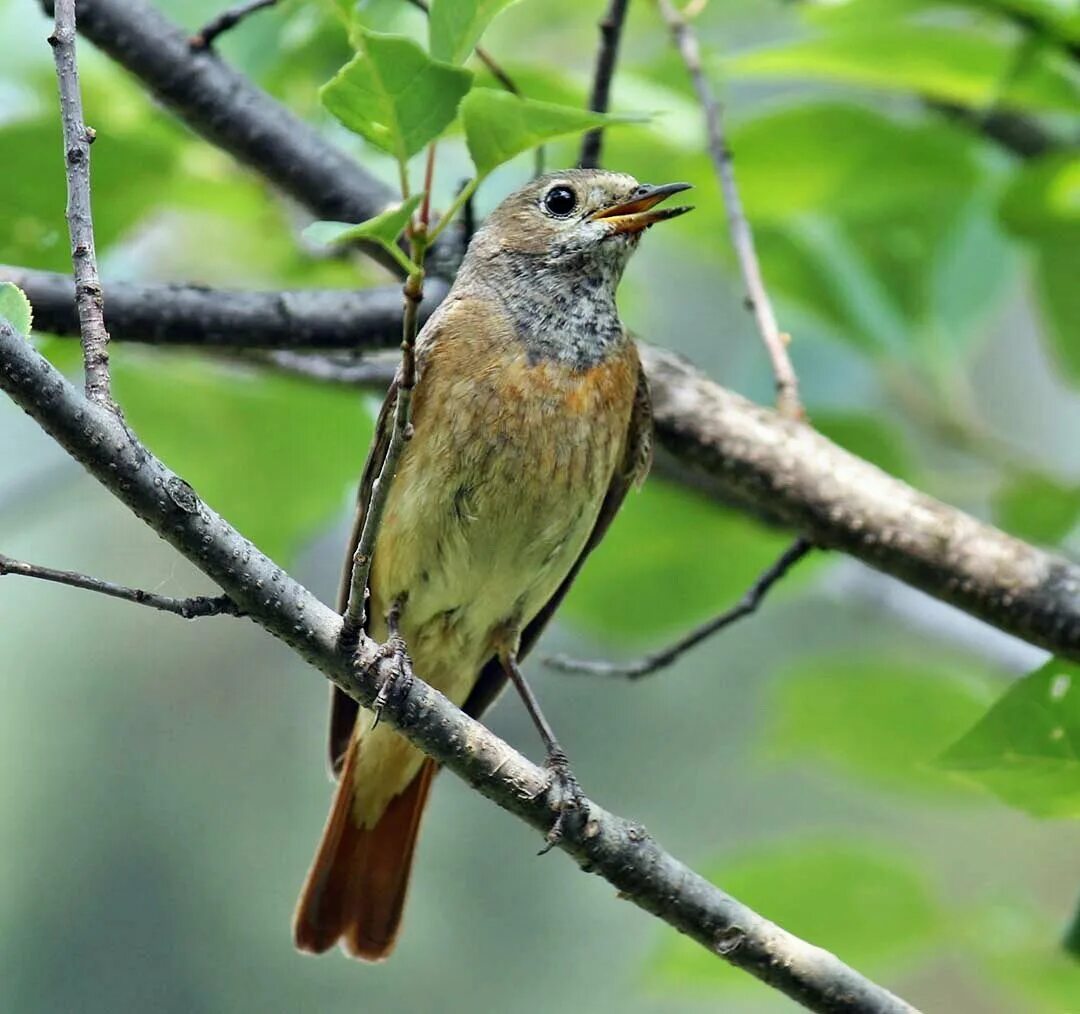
x=162, y=784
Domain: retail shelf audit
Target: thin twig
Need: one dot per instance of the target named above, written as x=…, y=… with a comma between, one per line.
x=658, y=660
x=620, y=851
x=787, y=384
x=77, y=140
x=189, y=608
x=205, y=36
x=355, y=616
x=611, y=26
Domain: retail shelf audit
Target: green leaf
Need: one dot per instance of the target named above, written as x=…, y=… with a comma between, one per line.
x=455, y=26
x=394, y=95
x=15, y=308
x=1057, y=269
x=274, y=455
x=1026, y=748
x=867, y=904
x=955, y=65
x=384, y=229
x=1037, y=507
x=499, y=125
x=690, y=579
x=881, y=719
x=1043, y=195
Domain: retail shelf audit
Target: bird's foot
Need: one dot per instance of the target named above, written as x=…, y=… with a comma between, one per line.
x=389, y=663
x=570, y=800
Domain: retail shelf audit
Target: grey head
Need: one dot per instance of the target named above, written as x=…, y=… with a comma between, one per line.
x=554, y=251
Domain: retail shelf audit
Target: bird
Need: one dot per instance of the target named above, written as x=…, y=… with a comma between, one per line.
x=531, y=421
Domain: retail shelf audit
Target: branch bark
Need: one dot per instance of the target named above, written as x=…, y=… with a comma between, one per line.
x=611, y=26
x=712, y=439
x=77, y=140
x=618, y=850
x=216, y=318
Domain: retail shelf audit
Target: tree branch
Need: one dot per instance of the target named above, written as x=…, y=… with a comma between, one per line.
x=232, y=113
x=618, y=850
x=787, y=384
x=77, y=140
x=611, y=26
x=229, y=18
x=790, y=473
x=218, y=318
x=189, y=608
x=713, y=440
x=657, y=660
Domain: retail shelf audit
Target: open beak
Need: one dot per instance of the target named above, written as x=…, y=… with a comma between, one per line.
x=637, y=213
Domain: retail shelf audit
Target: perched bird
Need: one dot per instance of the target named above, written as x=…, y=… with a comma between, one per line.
x=531, y=421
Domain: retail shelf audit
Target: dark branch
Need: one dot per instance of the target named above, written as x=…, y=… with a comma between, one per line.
x=611, y=26
x=787, y=384
x=189, y=608
x=658, y=660
x=1022, y=135
x=77, y=140
x=194, y=315
x=205, y=36
x=618, y=850
x=229, y=111
x=743, y=455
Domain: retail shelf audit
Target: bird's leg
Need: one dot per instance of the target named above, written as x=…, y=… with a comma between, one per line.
x=394, y=652
x=570, y=796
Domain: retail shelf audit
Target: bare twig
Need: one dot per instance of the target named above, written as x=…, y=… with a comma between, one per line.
x=620, y=851
x=787, y=384
x=189, y=608
x=611, y=26
x=355, y=615
x=77, y=140
x=658, y=660
x=205, y=36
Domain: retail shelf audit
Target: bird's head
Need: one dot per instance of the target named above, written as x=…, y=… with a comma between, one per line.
x=579, y=220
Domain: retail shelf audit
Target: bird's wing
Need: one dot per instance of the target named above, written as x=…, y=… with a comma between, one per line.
x=632, y=470
x=343, y=709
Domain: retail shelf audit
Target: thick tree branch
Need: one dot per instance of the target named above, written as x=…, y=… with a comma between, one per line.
x=618, y=850
x=611, y=26
x=77, y=140
x=787, y=384
x=228, y=110
x=195, y=315
x=189, y=608
x=743, y=454
x=797, y=477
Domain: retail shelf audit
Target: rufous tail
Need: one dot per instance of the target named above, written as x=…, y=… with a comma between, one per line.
x=355, y=890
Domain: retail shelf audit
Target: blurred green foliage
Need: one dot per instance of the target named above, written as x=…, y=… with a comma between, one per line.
x=902, y=248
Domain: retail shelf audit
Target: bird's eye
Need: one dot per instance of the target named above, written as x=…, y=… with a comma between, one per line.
x=560, y=201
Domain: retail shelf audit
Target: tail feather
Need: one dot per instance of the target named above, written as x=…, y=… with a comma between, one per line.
x=355, y=890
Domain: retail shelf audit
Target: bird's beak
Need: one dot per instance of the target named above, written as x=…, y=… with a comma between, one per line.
x=637, y=213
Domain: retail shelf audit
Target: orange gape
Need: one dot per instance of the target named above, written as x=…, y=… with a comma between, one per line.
x=531, y=422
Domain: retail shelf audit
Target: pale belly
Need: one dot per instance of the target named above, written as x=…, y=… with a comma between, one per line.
x=489, y=511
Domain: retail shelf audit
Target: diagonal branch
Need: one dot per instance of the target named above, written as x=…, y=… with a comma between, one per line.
x=205, y=37
x=657, y=660
x=618, y=850
x=77, y=140
x=787, y=384
x=189, y=608
x=719, y=442
x=234, y=114
x=611, y=26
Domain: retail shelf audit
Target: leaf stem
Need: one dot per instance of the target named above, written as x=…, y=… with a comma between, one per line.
x=459, y=202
